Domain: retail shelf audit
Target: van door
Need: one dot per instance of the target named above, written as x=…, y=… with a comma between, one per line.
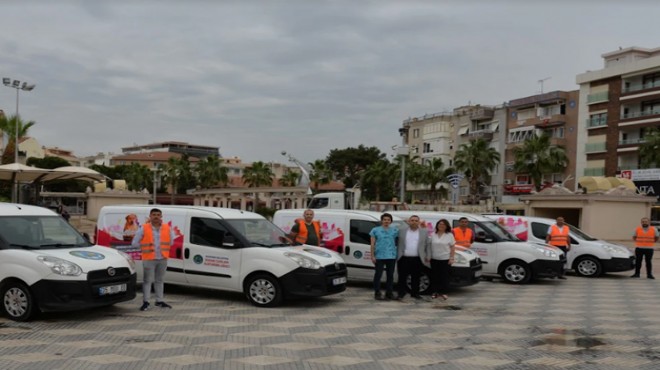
x=212, y=254
x=357, y=251
x=485, y=245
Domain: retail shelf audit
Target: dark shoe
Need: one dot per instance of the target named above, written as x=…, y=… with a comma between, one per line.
x=163, y=305
x=651, y=277
x=145, y=306
x=389, y=296
x=635, y=276
x=379, y=297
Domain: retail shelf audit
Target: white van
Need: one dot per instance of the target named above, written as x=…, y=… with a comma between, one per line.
x=588, y=256
x=46, y=265
x=501, y=253
x=229, y=249
x=347, y=233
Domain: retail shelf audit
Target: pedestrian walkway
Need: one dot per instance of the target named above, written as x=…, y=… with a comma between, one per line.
x=610, y=322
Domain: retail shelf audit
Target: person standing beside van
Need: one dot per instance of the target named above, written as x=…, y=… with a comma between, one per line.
x=557, y=236
x=463, y=234
x=383, y=254
x=307, y=230
x=443, y=250
x=413, y=244
x=645, y=236
x=154, y=239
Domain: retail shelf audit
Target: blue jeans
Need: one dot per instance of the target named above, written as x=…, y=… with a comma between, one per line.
x=389, y=282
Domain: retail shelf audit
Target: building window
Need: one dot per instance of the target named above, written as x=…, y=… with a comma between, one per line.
x=426, y=148
x=416, y=133
x=522, y=135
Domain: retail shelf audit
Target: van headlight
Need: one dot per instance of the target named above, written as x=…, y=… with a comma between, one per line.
x=303, y=261
x=459, y=259
x=547, y=252
x=128, y=258
x=60, y=266
x=614, y=250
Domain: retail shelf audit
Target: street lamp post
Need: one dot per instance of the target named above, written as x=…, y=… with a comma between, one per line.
x=403, y=151
x=16, y=84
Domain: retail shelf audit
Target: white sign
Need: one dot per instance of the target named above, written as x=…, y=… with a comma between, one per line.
x=652, y=174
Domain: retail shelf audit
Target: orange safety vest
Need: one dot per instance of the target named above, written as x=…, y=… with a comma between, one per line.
x=464, y=239
x=645, y=239
x=302, y=231
x=147, y=242
x=559, y=238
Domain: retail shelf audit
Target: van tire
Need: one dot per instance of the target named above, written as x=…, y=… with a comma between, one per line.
x=424, y=282
x=264, y=290
x=516, y=272
x=588, y=266
x=17, y=301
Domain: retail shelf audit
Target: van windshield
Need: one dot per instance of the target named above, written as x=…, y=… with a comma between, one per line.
x=498, y=231
x=39, y=232
x=260, y=232
x=581, y=234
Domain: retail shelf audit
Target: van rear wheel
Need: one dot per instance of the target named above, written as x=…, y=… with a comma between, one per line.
x=264, y=291
x=17, y=301
x=424, y=282
x=588, y=267
x=516, y=272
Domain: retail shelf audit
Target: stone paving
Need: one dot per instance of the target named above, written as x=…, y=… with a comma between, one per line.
x=612, y=322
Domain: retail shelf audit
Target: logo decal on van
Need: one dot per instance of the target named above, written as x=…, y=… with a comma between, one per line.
x=198, y=259
x=87, y=255
x=357, y=254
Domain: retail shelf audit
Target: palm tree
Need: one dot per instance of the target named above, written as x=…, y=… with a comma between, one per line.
x=172, y=172
x=257, y=175
x=476, y=160
x=290, y=178
x=538, y=157
x=649, y=151
x=380, y=176
x=320, y=174
x=8, y=127
x=430, y=173
x=211, y=172
x=138, y=177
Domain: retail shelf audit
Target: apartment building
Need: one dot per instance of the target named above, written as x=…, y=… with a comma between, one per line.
x=554, y=114
x=192, y=150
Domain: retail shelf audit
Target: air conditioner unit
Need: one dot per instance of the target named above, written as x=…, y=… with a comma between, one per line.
x=507, y=182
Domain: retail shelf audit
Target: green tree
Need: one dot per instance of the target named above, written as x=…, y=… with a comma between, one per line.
x=290, y=178
x=347, y=164
x=320, y=174
x=258, y=175
x=431, y=173
x=649, y=150
x=47, y=162
x=210, y=172
x=173, y=171
x=8, y=126
x=378, y=179
x=476, y=159
x=138, y=177
x=110, y=172
x=538, y=157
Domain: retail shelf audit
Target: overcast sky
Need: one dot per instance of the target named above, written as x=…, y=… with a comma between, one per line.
x=256, y=78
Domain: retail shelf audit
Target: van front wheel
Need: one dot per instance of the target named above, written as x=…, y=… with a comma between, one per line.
x=588, y=267
x=264, y=291
x=516, y=272
x=17, y=301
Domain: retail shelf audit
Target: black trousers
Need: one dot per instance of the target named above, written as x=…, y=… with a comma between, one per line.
x=387, y=265
x=643, y=253
x=440, y=276
x=409, y=266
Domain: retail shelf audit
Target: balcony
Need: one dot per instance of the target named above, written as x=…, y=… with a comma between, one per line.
x=645, y=113
x=640, y=87
x=600, y=97
x=596, y=122
x=596, y=171
x=481, y=134
x=482, y=113
x=595, y=148
x=547, y=121
x=632, y=141
x=624, y=167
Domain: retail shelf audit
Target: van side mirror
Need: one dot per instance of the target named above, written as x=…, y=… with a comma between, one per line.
x=87, y=237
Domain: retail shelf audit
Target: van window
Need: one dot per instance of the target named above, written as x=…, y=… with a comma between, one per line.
x=540, y=231
x=360, y=231
x=209, y=232
x=318, y=203
x=39, y=232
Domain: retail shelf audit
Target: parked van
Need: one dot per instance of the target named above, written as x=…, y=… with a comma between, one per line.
x=229, y=249
x=46, y=265
x=588, y=256
x=347, y=233
x=502, y=254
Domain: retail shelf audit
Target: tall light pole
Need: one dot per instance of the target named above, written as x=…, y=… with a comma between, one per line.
x=404, y=153
x=16, y=84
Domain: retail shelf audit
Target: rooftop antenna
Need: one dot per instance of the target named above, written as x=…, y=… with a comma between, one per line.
x=541, y=82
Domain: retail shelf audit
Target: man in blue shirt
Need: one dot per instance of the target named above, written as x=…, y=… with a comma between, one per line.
x=383, y=254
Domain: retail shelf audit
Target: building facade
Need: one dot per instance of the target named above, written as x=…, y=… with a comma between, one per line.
x=192, y=150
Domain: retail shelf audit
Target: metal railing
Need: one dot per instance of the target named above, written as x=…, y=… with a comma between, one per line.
x=596, y=122
x=643, y=113
x=596, y=171
x=638, y=87
x=595, y=147
x=632, y=141
x=598, y=97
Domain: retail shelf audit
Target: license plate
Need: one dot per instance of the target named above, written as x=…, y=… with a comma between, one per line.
x=338, y=281
x=112, y=289
x=477, y=273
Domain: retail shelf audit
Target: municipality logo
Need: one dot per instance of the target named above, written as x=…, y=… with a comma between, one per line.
x=198, y=259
